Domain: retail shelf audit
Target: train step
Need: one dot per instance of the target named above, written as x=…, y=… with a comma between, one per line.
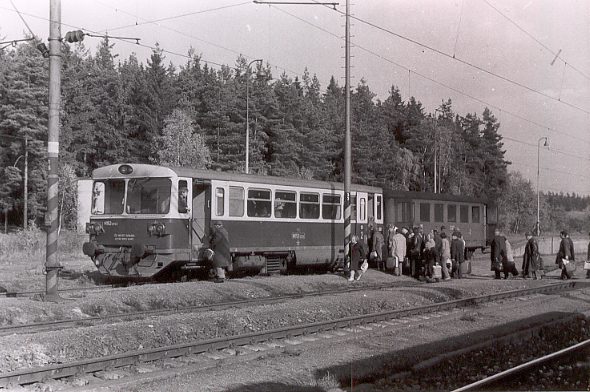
x=274, y=266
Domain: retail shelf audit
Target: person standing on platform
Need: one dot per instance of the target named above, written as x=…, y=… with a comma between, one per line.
x=219, y=244
x=457, y=254
x=399, y=249
x=498, y=253
x=530, y=259
x=445, y=256
x=377, y=244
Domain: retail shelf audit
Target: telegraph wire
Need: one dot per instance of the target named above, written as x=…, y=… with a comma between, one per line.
x=465, y=62
x=410, y=71
x=555, y=54
x=156, y=22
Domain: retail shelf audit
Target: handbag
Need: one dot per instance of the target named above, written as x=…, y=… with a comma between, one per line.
x=570, y=267
x=587, y=265
x=365, y=266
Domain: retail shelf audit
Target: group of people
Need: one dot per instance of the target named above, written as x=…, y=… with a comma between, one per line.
x=431, y=257
x=502, y=258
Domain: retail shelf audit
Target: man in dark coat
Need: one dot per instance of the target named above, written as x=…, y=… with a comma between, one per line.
x=219, y=244
x=566, y=251
x=531, y=257
x=498, y=253
x=416, y=246
x=457, y=254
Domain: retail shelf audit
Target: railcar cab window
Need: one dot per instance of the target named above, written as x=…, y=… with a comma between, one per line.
x=182, y=196
x=285, y=204
x=108, y=197
x=464, y=214
x=219, y=201
x=331, y=208
x=259, y=204
x=451, y=213
x=309, y=205
x=236, y=201
x=148, y=196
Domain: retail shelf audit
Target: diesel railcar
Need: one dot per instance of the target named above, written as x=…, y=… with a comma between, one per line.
x=147, y=219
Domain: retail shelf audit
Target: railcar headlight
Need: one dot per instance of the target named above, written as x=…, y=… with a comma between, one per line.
x=158, y=229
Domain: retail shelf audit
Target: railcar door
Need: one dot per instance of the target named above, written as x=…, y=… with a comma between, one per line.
x=201, y=206
x=361, y=216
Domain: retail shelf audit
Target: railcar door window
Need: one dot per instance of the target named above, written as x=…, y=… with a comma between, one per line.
x=464, y=214
x=148, y=195
x=363, y=205
x=182, y=196
x=331, y=208
x=451, y=213
x=353, y=206
x=236, y=201
x=371, y=206
x=219, y=201
x=108, y=197
x=475, y=214
x=285, y=204
x=309, y=206
x=379, y=207
x=259, y=203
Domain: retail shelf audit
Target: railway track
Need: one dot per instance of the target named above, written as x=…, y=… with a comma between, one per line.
x=90, y=321
x=509, y=374
x=251, y=340
x=14, y=294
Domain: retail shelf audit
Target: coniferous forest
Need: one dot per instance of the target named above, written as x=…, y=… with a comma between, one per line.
x=123, y=110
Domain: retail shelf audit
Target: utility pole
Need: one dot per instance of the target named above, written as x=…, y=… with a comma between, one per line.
x=52, y=266
x=347, y=141
x=26, y=186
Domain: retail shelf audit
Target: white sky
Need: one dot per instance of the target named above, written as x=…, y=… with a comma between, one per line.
x=484, y=38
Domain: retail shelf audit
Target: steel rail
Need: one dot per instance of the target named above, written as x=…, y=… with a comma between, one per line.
x=32, y=375
x=83, y=322
x=14, y=294
x=524, y=366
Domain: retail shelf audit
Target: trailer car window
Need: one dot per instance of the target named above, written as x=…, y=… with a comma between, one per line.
x=285, y=204
x=464, y=214
x=219, y=201
x=475, y=214
x=236, y=201
x=451, y=213
x=438, y=212
x=425, y=212
x=309, y=205
x=331, y=208
x=259, y=205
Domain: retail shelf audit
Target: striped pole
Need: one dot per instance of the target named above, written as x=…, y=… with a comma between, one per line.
x=347, y=142
x=51, y=261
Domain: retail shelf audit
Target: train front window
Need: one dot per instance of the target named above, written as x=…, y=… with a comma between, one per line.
x=148, y=196
x=108, y=196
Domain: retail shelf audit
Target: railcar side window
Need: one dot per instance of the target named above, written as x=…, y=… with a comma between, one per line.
x=331, y=208
x=285, y=204
x=475, y=214
x=148, y=195
x=236, y=201
x=451, y=213
x=379, y=207
x=219, y=201
x=107, y=197
x=259, y=204
x=425, y=212
x=438, y=212
x=464, y=214
x=309, y=205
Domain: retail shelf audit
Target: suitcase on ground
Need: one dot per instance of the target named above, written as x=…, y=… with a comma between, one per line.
x=466, y=267
x=437, y=272
x=390, y=263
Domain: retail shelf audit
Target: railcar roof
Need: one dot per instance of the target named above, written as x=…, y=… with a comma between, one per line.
x=143, y=170
x=388, y=193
